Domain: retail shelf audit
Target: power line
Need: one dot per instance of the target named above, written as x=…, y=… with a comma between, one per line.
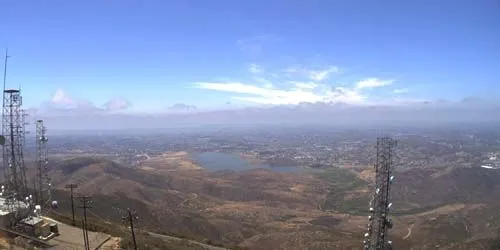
x=85, y=200
x=131, y=217
x=72, y=186
x=84, y=236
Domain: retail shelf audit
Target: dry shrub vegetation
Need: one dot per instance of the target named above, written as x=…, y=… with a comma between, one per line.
x=261, y=209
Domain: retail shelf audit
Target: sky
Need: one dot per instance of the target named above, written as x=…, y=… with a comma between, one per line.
x=178, y=56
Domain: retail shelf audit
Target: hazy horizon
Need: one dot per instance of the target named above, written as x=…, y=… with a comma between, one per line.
x=427, y=115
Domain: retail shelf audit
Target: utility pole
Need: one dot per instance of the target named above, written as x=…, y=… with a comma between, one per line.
x=84, y=235
x=72, y=186
x=85, y=200
x=131, y=216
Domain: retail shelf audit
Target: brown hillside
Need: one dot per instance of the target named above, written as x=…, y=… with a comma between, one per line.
x=262, y=209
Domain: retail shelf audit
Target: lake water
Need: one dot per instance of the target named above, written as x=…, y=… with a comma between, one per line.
x=214, y=161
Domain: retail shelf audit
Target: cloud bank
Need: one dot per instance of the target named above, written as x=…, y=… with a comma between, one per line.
x=427, y=114
x=296, y=85
x=62, y=103
x=298, y=97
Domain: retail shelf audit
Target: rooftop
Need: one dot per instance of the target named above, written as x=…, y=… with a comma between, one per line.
x=11, y=91
x=32, y=220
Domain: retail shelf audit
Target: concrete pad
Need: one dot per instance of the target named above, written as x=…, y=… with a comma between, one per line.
x=72, y=237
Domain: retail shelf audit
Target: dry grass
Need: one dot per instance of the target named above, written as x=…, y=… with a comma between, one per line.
x=261, y=208
x=367, y=175
x=4, y=244
x=449, y=209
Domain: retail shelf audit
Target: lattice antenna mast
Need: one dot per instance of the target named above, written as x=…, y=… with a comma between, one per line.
x=3, y=108
x=379, y=223
x=5, y=70
x=13, y=124
x=43, y=180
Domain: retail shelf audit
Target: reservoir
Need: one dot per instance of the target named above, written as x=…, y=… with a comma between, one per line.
x=214, y=161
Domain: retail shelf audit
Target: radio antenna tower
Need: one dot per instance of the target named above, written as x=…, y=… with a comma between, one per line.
x=379, y=223
x=43, y=179
x=13, y=124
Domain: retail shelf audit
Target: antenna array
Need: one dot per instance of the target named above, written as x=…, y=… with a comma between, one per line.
x=379, y=223
x=43, y=180
x=13, y=124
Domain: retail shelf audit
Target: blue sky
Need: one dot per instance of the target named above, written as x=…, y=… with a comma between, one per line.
x=222, y=53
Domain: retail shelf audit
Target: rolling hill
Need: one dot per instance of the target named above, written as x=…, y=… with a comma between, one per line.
x=260, y=209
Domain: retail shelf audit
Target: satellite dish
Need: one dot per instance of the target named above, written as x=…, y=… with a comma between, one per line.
x=2, y=140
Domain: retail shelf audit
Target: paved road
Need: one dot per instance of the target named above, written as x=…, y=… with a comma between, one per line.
x=161, y=236
x=206, y=246
x=407, y=235
x=71, y=237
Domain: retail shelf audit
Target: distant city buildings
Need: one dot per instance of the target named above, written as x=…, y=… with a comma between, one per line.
x=492, y=161
x=311, y=147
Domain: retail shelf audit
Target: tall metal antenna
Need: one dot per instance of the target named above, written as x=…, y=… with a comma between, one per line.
x=4, y=80
x=4, y=83
x=379, y=223
x=13, y=122
x=13, y=138
x=5, y=68
x=43, y=180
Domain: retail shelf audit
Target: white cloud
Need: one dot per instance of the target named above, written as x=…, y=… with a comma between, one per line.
x=315, y=75
x=320, y=75
x=233, y=87
x=268, y=85
x=116, y=104
x=265, y=83
x=181, y=108
x=63, y=102
x=304, y=85
x=60, y=97
x=372, y=83
x=276, y=96
x=255, y=69
x=295, y=85
x=401, y=91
